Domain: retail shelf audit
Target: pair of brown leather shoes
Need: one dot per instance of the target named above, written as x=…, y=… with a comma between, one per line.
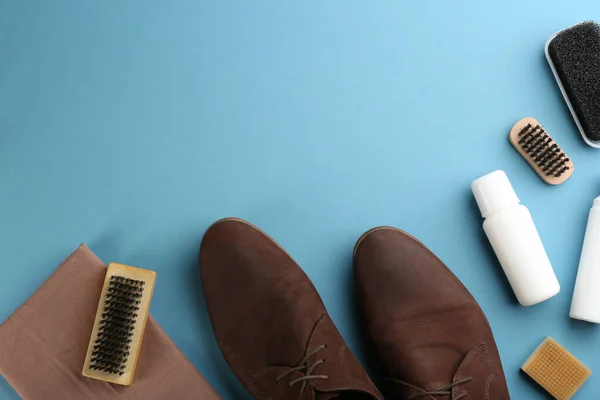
x=430, y=336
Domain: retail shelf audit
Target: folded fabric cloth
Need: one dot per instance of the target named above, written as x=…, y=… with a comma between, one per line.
x=44, y=343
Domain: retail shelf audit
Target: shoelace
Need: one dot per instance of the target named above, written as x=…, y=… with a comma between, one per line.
x=441, y=391
x=303, y=366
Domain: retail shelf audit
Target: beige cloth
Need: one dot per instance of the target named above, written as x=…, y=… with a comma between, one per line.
x=44, y=343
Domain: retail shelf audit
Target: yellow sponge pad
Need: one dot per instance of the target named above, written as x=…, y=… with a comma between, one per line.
x=556, y=370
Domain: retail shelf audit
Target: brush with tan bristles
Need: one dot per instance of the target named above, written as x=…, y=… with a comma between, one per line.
x=120, y=323
x=556, y=370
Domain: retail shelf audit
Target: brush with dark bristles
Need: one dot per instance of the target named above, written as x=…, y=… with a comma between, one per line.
x=119, y=326
x=574, y=56
x=541, y=151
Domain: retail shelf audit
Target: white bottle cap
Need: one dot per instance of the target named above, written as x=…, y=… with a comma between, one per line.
x=493, y=192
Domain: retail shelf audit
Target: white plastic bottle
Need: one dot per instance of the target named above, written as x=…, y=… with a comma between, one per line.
x=586, y=298
x=515, y=240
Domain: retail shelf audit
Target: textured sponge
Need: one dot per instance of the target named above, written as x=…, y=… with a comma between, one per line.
x=556, y=370
x=574, y=55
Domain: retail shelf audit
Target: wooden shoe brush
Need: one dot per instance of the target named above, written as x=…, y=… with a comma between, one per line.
x=541, y=151
x=119, y=325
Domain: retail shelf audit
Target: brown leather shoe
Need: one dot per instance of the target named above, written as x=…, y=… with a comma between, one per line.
x=428, y=332
x=270, y=322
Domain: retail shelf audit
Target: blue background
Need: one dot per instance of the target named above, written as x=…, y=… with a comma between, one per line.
x=131, y=126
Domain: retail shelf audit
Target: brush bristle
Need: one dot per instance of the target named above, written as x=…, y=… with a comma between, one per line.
x=575, y=54
x=556, y=370
x=543, y=150
x=119, y=315
x=119, y=325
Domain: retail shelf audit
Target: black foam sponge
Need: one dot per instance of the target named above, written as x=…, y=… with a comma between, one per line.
x=574, y=54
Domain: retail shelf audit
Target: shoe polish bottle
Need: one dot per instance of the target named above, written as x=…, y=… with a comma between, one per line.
x=586, y=298
x=515, y=240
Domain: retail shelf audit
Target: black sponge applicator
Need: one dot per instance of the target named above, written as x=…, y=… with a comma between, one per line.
x=574, y=56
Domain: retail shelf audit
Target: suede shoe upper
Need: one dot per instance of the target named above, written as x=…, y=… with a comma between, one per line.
x=270, y=322
x=428, y=332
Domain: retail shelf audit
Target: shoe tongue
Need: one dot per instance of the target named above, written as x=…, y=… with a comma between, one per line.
x=345, y=375
x=475, y=362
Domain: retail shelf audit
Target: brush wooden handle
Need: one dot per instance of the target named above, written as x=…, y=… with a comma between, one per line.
x=109, y=313
x=543, y=154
